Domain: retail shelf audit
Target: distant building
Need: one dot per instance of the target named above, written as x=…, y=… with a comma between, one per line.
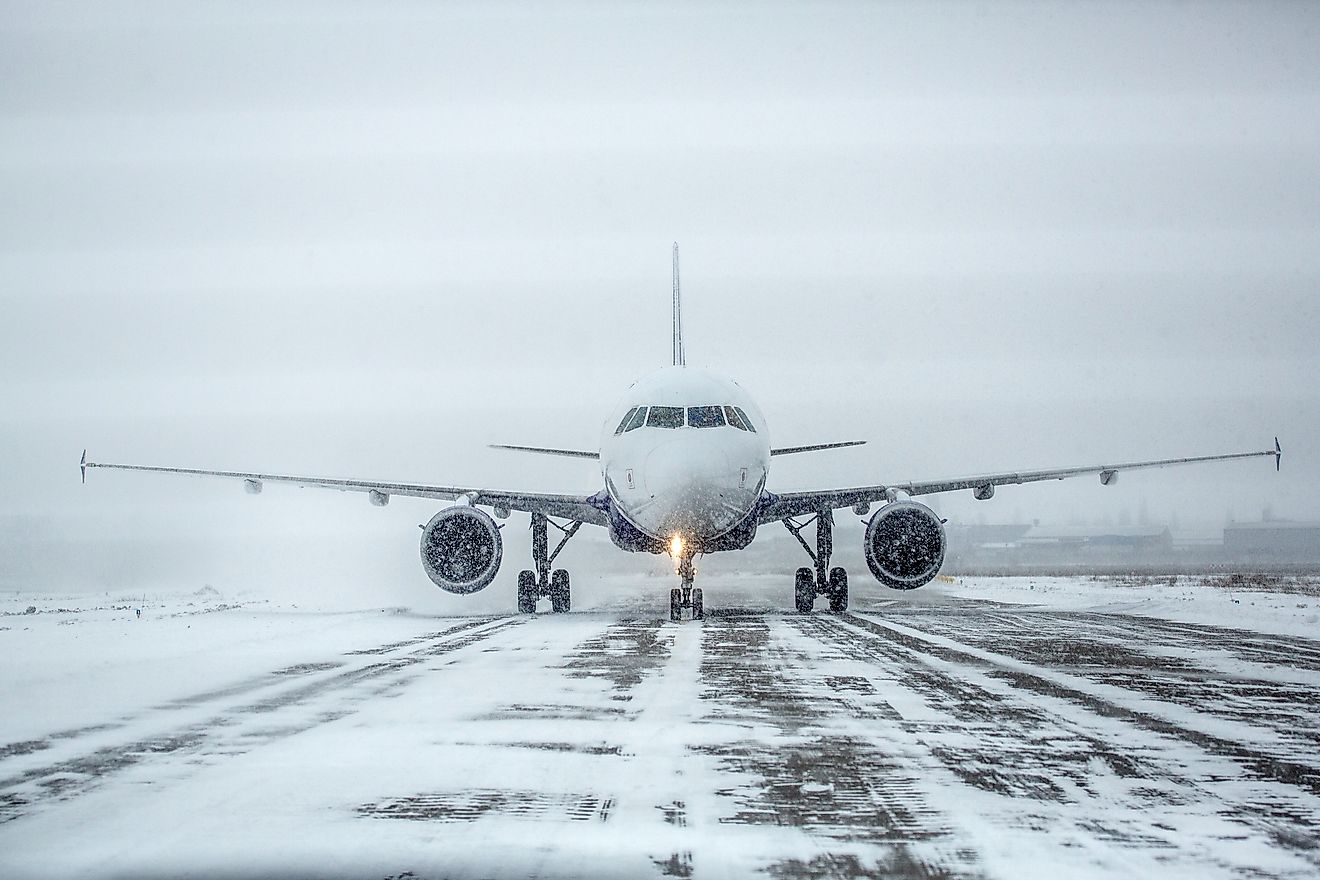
x=1110, y=539
x=972, y=546
x=982, y=549
x=1272, y=541
x=978, y=536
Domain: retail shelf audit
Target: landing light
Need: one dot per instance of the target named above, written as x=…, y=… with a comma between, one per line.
x=676, y=546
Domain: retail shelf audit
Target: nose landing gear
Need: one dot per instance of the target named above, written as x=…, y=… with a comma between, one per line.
x=534, y=585
x=824, y=581
x=686, y=596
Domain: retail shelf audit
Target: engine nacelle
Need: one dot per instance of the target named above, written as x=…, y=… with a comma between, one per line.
x=905, y=545
x=461, y=549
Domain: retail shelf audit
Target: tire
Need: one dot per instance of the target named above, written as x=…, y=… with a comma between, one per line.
x=527, y=592
x=559, y=591
x=698, y=605
x=838, y=590
x=676, y=604
x=804, y=590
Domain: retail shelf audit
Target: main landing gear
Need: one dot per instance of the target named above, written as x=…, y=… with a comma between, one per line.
x=686, y=596
x=831, y=583
x=534, y=585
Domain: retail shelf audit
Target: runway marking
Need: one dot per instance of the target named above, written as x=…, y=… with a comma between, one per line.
x=468, y=806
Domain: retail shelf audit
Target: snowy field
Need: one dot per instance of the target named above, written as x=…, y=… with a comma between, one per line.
x=985, y=727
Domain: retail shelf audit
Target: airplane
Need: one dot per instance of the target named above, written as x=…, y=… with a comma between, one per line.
x=685, y=462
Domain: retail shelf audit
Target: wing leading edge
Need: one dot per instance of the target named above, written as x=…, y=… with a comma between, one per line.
x=817, y=447
x=575, y=507
x=543, y=450
x=813, y=501
x=578, y=453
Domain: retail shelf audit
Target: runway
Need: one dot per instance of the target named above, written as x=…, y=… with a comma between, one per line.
x=950, y=738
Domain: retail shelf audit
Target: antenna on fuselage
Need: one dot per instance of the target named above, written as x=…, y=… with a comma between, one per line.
x=679, y=358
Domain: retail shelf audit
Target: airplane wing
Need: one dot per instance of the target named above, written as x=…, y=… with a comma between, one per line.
x=575, y=507
x=567, y=453
x=793, y=450
x=808, y=502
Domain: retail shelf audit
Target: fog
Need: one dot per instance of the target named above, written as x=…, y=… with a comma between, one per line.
x=345, y=241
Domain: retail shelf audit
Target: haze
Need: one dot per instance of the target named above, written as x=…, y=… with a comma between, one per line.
x=365, y=242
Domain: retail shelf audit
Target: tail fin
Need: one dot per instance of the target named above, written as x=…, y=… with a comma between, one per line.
x=679, y=358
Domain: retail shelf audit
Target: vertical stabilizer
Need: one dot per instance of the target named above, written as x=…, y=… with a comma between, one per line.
x=679, y=358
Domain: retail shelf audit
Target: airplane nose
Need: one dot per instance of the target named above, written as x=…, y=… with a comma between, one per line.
x=694, y=489
x=672, y=464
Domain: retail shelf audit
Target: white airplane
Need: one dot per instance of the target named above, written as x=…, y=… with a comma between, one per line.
x=685, y=459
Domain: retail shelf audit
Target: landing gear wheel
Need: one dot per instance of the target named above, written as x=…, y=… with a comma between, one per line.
x=698, y=605
x=804, y=590
x=838, y=590
x=527, y=592
x=676, y=604
x=559, y=593
x=532, y=585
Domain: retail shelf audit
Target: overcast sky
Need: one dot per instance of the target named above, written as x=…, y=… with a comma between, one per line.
x=364, y=240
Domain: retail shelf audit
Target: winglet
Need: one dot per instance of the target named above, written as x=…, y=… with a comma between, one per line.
x=680, y=359
x=1278, y=455
x=82, y=466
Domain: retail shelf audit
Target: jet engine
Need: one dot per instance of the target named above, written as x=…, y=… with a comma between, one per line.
x=461, y=549
x=905, y=545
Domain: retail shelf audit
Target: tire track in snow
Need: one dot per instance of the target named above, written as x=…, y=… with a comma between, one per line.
x=275, y=679
x=1104, y=698
x=853, y=791
x=1208, y=670
x=237, y=728
x=1015, y=730
x=594, y=715
x=1265, y=649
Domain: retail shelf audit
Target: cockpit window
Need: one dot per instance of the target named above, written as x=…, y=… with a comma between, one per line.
x=734, y=419
x=638, y=419
x=746, y=421
x=665, y=417
x=705, y=416
x=623, y=424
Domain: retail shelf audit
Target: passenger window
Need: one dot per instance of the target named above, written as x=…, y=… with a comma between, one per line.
x=734, y=419
x=746, y=421
x=704, y=417
x=623, y=425
x=638, y=419
x=665, y=417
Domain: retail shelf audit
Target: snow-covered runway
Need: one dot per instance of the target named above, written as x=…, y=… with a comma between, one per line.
x=951, y=736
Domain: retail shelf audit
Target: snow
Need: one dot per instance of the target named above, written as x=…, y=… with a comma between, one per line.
x=987, y=727
x=1197, y=599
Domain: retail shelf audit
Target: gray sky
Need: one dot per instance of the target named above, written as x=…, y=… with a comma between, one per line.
x=365, y=242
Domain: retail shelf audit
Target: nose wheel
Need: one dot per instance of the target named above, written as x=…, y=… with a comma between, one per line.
x=686, y=596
